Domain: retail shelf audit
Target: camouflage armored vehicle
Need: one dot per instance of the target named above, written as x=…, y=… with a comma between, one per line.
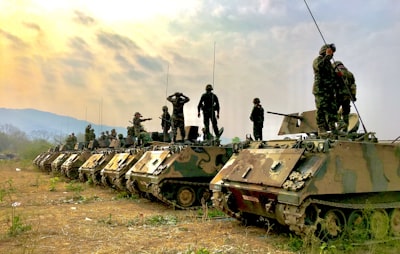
x=113, y=174
x=91, y=168
x=177, y=175
x=328, y=187
x=47, y=159
x=71, y=165
x=57, y=162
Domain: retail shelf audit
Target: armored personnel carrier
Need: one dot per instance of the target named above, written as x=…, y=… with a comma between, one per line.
x=71, y=165
x=57, y=162
x=178, y=175
x=46, y=160
x=348, y=186
x=91, y=168
x=113, y=174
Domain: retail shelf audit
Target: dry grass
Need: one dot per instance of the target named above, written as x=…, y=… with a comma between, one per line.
x=78, y=218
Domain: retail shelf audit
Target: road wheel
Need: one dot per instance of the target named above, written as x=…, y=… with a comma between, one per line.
x=334, y=224
x=357, y=226
x=186, y=196
x=395, y=222
x=379, y=224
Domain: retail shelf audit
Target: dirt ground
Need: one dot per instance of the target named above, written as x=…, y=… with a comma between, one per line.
x=42, y=214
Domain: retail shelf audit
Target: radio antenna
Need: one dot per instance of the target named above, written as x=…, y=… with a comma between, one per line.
x=319, y=30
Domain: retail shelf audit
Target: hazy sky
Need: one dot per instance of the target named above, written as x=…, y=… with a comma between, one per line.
x=102, y=60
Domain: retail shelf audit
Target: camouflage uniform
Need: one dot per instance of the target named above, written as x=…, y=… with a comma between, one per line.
x=165, y=123
x=345, y=92
x=209, y=104
x=138, y=128
x=257, y=116
x=324, y=90
x=178, y=100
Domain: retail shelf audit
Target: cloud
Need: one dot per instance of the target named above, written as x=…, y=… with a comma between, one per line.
x=83, y=19
x=116, y=41
x=17, y=43
x=32, y=26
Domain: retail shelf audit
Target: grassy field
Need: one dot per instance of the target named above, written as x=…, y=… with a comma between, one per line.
x=42, y=213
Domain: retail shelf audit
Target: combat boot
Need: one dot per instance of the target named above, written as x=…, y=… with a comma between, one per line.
x=334, y=132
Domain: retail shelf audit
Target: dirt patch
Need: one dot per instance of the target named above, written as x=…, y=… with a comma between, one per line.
x=43, y=214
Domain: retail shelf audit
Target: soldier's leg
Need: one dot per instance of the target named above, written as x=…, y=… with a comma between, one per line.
x=346, y=111
x=174, y=128
x=321, y=115
x=182, y=128
x=206, y=122
x=215, y=125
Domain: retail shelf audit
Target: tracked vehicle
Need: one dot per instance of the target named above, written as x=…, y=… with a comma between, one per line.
x=177, y=175
x=91, y=168
x=347, y=186
x=59, y=160
x=71, y=165
x=113, y=174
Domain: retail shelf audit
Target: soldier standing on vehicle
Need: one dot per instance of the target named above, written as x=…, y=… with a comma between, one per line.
x=178, y=100
x=346, y=92
x=165, y=123
x=324, y=90
x=257, y=117
x=209, y=104
x=137, y=123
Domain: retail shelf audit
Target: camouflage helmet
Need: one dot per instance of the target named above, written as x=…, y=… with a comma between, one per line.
x=209, y=87
x=138, y=114
x=165, y=108
x=325, y=47
x=256, y=100
x=337, y=63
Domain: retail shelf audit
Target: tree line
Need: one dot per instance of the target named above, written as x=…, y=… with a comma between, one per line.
x=16, y=143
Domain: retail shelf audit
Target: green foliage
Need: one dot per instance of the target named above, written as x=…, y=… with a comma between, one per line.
x=17, y=226
x=211, y=213
x=77, y=188
x=197, y=251
x=53, y=183
x=158, y=220
x=295, y=243
x=126, y=195
x=236, y=140
x=14, y=141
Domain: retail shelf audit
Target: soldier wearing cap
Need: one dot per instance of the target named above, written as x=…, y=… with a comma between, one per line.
x=324, y=90
x=137, y=123
x=345, y=93
x=209, y=104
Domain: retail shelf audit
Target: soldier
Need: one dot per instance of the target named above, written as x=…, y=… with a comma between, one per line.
x=209, y=104
x=137, y=123
x=88, y=134
x=257, y=116
x=165, y=123
x=178, y=100
x=74, y=140
x=113, y=134
x=346, y=92
x=324, y=90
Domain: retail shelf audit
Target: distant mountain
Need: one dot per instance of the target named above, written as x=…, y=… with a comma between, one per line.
x=40, y=124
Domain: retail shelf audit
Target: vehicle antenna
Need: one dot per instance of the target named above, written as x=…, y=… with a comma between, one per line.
x=352, y=99
x=212, y=97
x=166, y=95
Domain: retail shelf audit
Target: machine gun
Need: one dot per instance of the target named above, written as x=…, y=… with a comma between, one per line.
x=297, y=123
x=281, y=114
